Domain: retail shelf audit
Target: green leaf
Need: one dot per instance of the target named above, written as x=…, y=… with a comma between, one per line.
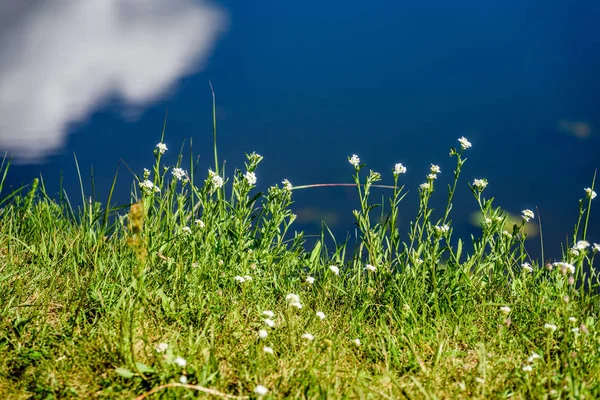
x=124, y=373
x=143, y=368
x=315, y=253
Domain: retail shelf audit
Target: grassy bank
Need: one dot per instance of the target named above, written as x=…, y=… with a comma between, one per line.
x=201, y=287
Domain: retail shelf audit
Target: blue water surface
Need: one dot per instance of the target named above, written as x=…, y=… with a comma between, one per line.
x=306, y=84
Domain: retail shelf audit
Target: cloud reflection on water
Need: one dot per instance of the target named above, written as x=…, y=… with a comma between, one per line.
x=61, y=59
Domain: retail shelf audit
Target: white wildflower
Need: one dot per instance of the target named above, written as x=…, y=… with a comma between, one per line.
x=148, y=187
x=505, y=310
x=321, y=314
x=442, y=229
x=250, y=177
x=590, y=193
x=596, y=247
x=464, y=143
x=287, y=185
x=534, y=356
x=356, y=342
x=186, y=230
x=263, y=334
x=297, y=305
x=248, y=278
x=307, y=336
x=424, y=186
x=292, y=298
x=574, y=252
x=335, y=269
x=550, y=327
x=269, y=322
x=162, y=347
x=354, y=160
x=199, y=223
x=572, y=319
x=527, y=368
x=507, y=234
x=432, y=176
x=565, y=267
x=399, y=169
x=527, y=215
x=371, y=268
x=180, y=361
x=183, y=379
x=575, y=330
x=527, y=267
x=161, y=148
x=216, y=180
x=240, y=279
x=310, y=279
x=268, y=313
x=435, y=169
x=178, y=173
x=480, y=184
x=261, y=390
x=582, y=245
x=267, y=349
x=146, y=173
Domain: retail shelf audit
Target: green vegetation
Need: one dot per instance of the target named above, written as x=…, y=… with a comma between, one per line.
x=203, y=289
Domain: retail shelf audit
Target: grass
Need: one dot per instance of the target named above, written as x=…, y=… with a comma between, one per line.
x=166, y=297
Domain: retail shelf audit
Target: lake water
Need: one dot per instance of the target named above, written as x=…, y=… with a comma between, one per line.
x=306, y=84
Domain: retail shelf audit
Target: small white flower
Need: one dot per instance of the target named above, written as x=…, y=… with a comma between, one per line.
x=307, y=336
x=488, y=221
x=261, y=390
x=240, y=279
x=574, y=252
x=565, y=267
x=432, y=176
x=161, y=148
x=354, y=160
x=464, y=143
x=534, y=356
x=287, y=185
x=248, y=278
x=527, y=368
x=527, y=215
x=356, y=342
x=335, y=269
x=183, y=379
x=250, y=177
x=505, y=310
x=146, y=173
x=575, y=330
x=148, y=187
x=527, y=267
x=550, y=327
x=321, y=315
x=180, y=361
x=590, y=193
x=268, y=313
x=216, y=180
x=572, y=319
x=310, y=279
x=480, y=184
x=269, y=322
x=199, y=223
x=507, y=234
x=186, y=230
x=371, y=268
x=435, y=169
x=267, y=349
x=399, y=169
x=161, y=347
x=263, y=334
x=292, y=298
x=424, y=186
x=581, y=245
x=442, y=229
x=178, y=173
x=297, y=305
x=596, y=247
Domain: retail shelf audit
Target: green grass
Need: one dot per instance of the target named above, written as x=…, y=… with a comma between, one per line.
x=88, y=294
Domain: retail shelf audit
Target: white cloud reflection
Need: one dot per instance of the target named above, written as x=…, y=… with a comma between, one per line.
x=61, y=59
